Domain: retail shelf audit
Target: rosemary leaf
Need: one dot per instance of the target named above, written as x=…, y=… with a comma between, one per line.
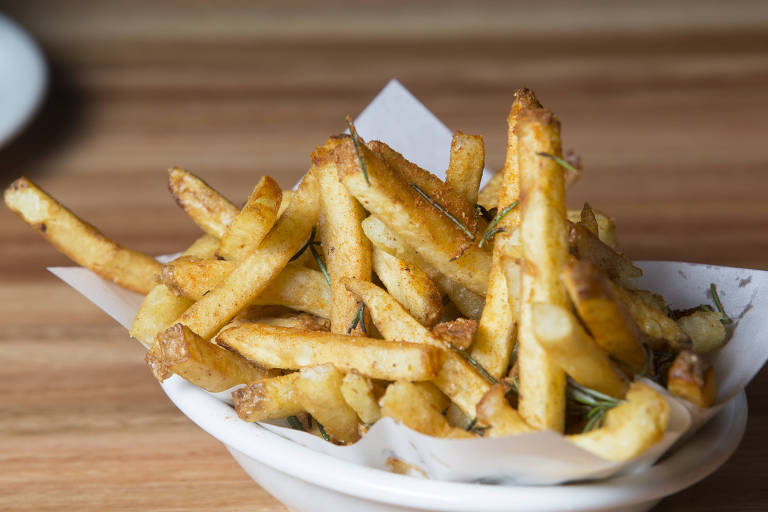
x=716, y=298
x=294, y=422
x=474, y=364
x=358, y=320
x=323, y=432
x=491, y=230
x=320, y=263
x=562, y=163
x=442, y=210
x=356, y=141
x=310, y=241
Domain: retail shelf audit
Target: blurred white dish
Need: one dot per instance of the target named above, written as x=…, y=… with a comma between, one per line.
x=23, y=78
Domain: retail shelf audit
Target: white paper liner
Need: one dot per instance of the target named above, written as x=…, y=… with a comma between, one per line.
x=399, y=119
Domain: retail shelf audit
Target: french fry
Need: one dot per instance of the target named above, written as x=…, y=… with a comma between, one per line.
x=588, y=247
x=267, y=399
x=80, y=241
x=346, y=249
x=469, y=303
x=543, y=233
x=404, y=402
x=445, y=244
x=318, y=390
x=161, y=307
x=283, y=347
x=705, y=329
x=293, y=320
x=296, y=287
x=179, y=350
x=488, y=197
x=465, y=168
x=252, y=275
x=256, y=218
x=211, y=211
x=495, y=337
x=358, y=393
x=410, y=286
x=456, y=378
x=458, y=333
x=629, y=428
x=433, y=395
x=561, y=336
x=495, y=412
x=692, y=377
x=606, y=228
x=606, y=318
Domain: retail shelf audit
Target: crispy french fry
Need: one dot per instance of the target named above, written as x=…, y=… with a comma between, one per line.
x=433, y=395
x=267, y=399
x=405, y=403
x=488, y=197
x=606, y=228
x=260, y=268
x=179, y=350
x=495, y=337
x=206, y=207
x=283, y=347
x=458, y=333
x=606, y=318
x=495, y=412
x=705, y=329
x=410, y=286
x=456, y=377
x=161, y=307
x=358, y=393
x=543, y=233
x=256, y=218
x=439, y=240
x=318, y=390
x=692, y=377
x=466, y=165
x=294, y=320
x=588, y=247
x=296, y=287
x=560, y=334
x=629, y=428
x=346, y=249
x=469, y=303
x=80, y=241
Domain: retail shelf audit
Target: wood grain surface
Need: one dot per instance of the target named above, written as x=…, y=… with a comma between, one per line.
x=666, y=102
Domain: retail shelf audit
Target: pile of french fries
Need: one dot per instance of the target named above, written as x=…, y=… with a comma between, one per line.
x=377, y=289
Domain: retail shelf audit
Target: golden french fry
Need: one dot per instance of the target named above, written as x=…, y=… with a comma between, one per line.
x=405, y=403
x=358, y=393
x=561, y=336
x=466, y=165
x=495, y=412
x=283, y=347
x=179, y=350
x=488, y=197
x=206, y=207
x=433, y=395
x=256, y=218
x=445, y=244
x=193, y=277
x=318, y=390
x=267, y=399
x=606, y=318
x=456, y=377
x=258, y=269
x=80, y=241
x=458, y=333
x=161, y=307
x=469, y=303
x=284, y=202
x=410, y=286
x=543, y=233
x=495, y=337
x=705, y=329
x=653, y=322
x=629, y=428
x=346, y=249
x=606, y=228
x=692, y=377
x=287, y=318
x=588, y=247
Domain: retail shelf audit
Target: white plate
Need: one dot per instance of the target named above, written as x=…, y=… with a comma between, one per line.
x=23, y=78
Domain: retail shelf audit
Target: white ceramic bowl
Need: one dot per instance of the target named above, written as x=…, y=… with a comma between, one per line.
x=306, y=480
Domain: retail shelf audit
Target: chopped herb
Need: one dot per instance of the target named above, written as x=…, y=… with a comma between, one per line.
x=562, y=163
x=726, y=319
x=323, y=432
x=358, y=320
x=477, y=366
x=320, y=263
x=310, y=241
x=491, y=230
x=473, y=427
x=356, y=141
x=706, y=308
x=596, y=404
x=295, y=424
x=442, y=210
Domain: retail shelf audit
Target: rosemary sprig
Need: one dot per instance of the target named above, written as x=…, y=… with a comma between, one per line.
x=562, y=163
x=474, y=364
x=597, y=404
x=491, y=230
x=442, y=210
x=358, y=320
x=355, y=140
x=473, y=427
x=716, y=298
x=320, y=263
x=310, y=241
x=295, y=424
x=322, y=431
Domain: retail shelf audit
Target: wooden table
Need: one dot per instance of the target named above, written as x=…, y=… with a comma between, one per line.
x=667, y=106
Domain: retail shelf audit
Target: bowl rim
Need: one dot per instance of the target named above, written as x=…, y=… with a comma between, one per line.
x=701, y=455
